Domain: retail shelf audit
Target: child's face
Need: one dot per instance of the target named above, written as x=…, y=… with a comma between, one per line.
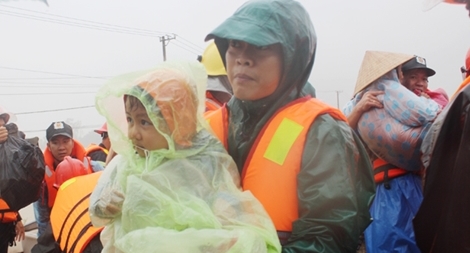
x=141, y=131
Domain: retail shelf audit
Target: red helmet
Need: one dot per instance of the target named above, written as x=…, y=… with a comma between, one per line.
x=69, y=168
x=103, y=129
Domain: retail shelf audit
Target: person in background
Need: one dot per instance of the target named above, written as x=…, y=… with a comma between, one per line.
x=398, y=189
x=218, y=91
x=415, y=78
x=100, y=152
x=442, y=222
x=465, y=73
x=60, y=143
x=70, y=219
x=11, y=227
x=22, y=172
x=297, y=155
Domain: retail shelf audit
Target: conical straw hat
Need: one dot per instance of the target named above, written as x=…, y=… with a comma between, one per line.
x=376, y=64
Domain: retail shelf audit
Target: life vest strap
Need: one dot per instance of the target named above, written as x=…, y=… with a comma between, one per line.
x=384, y=171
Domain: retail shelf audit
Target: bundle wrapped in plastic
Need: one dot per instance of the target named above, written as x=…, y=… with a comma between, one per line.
x=21, y=170
x=395, y=132
x=185, y=198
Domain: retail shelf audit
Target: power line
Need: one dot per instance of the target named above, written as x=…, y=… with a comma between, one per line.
x=46, y=93
x=157, y=33
x=46, y=72
x=186, y=49
x=95, y=25
x=188, y=43
x=82, y=25
x=56, y=110
x=56, y=85
x=81, y=87
x=45, y=78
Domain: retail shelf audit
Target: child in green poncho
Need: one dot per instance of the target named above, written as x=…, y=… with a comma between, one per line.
x=173, y=187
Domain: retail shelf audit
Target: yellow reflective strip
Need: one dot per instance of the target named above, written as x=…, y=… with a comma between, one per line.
x=282, y=141
x=67, y=183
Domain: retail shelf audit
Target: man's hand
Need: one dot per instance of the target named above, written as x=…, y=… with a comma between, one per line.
x=3, y=134
x=19, y=229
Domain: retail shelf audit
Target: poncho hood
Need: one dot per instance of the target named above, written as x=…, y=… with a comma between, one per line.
x=173, y=96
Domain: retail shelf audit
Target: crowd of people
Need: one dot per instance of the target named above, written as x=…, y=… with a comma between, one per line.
x=233, y=153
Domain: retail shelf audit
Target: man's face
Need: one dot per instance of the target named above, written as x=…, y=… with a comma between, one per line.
x=415, y=80
x=254, y=72
x=60, y=146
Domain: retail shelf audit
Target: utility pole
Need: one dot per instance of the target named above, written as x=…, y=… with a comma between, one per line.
x=337, y=97
x=164, y=39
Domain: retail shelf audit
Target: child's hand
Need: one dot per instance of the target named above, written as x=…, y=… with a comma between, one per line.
x=115, y=205
x=110, y=204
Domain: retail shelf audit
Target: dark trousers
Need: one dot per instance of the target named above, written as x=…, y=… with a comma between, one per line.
x=7, y=236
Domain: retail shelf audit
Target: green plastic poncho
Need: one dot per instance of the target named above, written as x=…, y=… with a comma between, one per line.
x=186, y=198
x=335, y=184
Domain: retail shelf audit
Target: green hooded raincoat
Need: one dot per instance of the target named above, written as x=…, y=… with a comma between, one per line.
x=335, y=184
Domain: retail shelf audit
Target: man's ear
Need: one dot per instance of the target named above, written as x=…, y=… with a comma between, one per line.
x=48, y=145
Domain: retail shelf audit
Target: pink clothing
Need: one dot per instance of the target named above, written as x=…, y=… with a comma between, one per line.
x=439, y=96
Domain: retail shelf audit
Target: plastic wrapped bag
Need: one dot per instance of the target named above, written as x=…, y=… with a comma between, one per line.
x=21, y=170
x=395, y=132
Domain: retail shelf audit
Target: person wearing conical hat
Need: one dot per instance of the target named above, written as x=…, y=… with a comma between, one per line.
x=380, y=112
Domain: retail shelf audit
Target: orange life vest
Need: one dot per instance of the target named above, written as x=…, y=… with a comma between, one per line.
x=7, y=215
x=274, y=161
x=78, y=152
x=384, y=171
x=94, y=147
x=70, y=220
x=212, y=103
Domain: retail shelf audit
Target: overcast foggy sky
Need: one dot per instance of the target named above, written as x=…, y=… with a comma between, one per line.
x=64, y=57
